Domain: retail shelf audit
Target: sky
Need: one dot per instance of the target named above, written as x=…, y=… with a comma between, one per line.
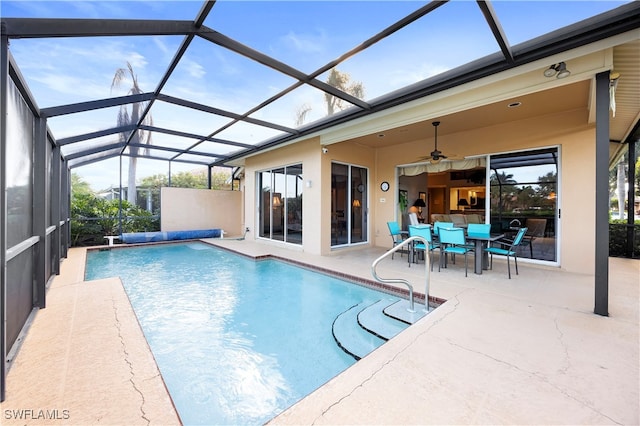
x=302, y=34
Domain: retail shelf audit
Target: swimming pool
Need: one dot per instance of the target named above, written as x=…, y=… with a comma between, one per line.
x=236, y=340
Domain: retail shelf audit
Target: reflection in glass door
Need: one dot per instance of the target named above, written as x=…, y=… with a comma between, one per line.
x=524, y=193
x=349, y=202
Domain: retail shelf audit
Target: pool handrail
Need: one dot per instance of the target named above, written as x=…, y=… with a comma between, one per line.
x=403, y=281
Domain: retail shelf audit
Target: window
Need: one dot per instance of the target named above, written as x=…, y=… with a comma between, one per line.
x=280, y=204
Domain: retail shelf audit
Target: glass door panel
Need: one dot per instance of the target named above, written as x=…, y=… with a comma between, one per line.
x=523, y=193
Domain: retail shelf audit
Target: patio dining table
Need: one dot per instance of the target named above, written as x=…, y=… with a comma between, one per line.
x=481, y=241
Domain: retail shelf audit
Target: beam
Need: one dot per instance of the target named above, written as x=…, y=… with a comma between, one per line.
x=224, y=41
x=97, y=134
x=492, y=19
x=224, y=113
x=602, y=195
x=91, y=105
x=176, y=150
x=49, y=27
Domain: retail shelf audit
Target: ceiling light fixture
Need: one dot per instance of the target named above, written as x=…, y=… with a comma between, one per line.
x=559, y=70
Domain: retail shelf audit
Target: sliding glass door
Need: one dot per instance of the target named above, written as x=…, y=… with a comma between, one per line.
x=349, y=201
x=524, y=193
x=280, y=204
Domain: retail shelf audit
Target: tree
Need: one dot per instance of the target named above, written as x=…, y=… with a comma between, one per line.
x=93, y=217
x=125, y=118
x=505, y=195
x=79, y=186
x=341, y=81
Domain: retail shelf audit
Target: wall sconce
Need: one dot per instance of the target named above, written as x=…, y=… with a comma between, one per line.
x=559, y=70
x=356, y=203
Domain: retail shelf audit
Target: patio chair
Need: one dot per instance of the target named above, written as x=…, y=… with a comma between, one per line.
x=438, y=225
x=479, y=228
x=536, y=228
x=423, y=231
x=397, y=235
x=452, y=241
x=482, y=229
x=510, y=250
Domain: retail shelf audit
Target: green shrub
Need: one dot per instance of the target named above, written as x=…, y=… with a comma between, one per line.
x=93, y=217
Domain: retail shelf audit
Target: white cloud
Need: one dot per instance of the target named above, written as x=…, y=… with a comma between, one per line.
x=305, y=43
x=194, y=69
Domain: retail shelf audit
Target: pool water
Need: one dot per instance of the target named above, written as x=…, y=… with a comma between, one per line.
x=237, y=341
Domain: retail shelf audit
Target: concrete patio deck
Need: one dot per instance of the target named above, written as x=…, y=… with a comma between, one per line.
x=523, y=351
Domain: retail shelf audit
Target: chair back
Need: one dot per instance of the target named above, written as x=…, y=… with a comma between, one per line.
x=423, y=231
x=438, y=225
x=536, y=227
x=394, y=228
x=452, y=236
x=518, y=239
x=413, y=219
x=483, y=229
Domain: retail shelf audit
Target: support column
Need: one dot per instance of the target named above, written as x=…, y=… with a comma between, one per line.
x=56, y=208
x=4, y=76
x=39, y=221
x=602, y=195
x=631, y=196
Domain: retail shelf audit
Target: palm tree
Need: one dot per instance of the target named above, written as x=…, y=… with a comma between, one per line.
x=125, y=118
x=506, y=184
x=342, y=81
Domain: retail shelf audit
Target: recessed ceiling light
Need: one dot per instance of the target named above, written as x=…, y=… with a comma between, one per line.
x=514, y=104
x=381, y=135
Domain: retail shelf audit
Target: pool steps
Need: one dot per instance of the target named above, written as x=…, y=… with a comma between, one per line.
x=365, y=326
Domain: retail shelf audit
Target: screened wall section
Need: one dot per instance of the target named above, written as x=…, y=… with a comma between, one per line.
x=349, y=203
x=280, y=204
x=34, y=228
x=524, y=193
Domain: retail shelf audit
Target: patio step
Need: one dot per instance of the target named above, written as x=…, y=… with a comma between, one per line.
x=365, y=326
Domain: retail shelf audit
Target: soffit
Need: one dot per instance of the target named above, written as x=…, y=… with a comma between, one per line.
x=626, y=58
x=560, y=99
x=626, y=61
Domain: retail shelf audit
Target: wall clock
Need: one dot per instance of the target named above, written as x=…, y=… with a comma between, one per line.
x=384, y=186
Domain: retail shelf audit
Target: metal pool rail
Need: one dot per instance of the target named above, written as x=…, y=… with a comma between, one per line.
x=427, y=271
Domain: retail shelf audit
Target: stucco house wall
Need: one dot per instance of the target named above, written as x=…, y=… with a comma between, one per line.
x=185, y=209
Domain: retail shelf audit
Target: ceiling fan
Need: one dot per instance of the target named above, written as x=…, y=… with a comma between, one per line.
x=436, y=155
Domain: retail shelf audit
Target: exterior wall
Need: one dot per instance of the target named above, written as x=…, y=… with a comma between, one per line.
x=308, y=153
x=570, y=131
x=316, y=200
x=184, y=209
x=357, y=155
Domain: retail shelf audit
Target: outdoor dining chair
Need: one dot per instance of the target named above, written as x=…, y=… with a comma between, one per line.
x=438, y=225
x=423, y=231
x=452, y=241
x=508, y=249
x=397, y=235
